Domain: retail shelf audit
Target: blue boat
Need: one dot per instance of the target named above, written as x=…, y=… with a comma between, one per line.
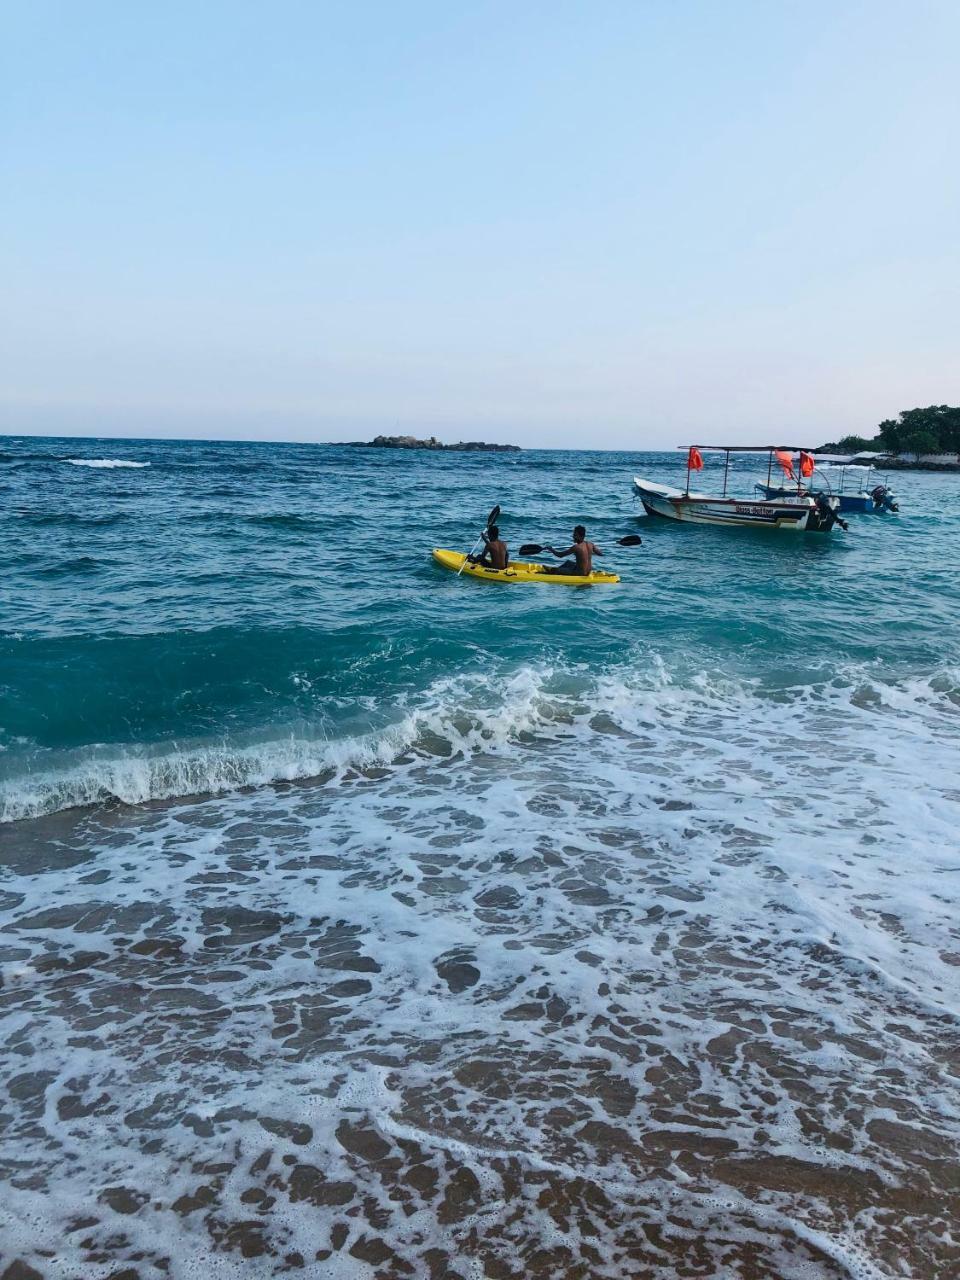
x=846, y=479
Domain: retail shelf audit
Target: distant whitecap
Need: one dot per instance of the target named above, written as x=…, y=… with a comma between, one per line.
x=104, y=462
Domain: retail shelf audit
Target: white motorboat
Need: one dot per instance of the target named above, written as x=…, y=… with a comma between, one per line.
x=799, y=511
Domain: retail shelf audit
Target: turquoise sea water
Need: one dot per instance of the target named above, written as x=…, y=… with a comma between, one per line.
x=611, y=927
x=241, y=610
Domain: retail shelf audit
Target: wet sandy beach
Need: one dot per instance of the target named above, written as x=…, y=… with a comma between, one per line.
x=497, y=1032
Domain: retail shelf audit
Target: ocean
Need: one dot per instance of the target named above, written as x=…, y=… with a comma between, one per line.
x=364, y=921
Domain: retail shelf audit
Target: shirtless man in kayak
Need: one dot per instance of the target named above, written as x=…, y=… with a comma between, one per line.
x=581, y=566
x=495, y=553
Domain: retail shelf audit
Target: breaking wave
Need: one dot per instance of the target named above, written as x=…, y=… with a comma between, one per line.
x=459, y=717
x=455, y=716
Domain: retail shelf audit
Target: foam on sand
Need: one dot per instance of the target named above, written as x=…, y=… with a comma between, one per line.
x=625, y=976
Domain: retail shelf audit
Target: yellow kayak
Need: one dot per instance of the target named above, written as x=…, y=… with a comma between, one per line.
x=519, y=571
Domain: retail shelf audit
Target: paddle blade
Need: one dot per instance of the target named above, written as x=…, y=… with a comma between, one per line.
x=530, y=549
x=493, y=516
x=631, y=540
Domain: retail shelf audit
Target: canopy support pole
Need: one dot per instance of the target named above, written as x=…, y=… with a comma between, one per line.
x=726, y=468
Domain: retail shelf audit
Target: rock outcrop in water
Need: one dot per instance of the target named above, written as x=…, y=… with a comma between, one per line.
x=411, y=442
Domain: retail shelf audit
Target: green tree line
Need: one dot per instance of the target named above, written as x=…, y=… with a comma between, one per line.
x=935, y=429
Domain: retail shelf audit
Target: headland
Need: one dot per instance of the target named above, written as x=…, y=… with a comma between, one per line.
x=411, y=442
x=917, y=440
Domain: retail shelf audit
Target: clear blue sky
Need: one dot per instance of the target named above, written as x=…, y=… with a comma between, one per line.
x=622, y=223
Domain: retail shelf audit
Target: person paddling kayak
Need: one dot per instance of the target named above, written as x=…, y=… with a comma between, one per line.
x=582, y=552
x=495, y=553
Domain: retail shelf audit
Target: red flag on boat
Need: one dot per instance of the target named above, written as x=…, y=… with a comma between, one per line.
x=786, y=462
x=806, y=464
x=694, y=459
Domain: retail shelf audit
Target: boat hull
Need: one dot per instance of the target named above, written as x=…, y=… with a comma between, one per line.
x=796, y=515
x=850, y=503
x=520, y=571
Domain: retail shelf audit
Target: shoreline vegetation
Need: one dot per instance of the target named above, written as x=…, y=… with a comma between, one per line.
x=411, y=442
x=916, y=440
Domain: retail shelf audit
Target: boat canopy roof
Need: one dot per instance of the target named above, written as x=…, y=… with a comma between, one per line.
x=851, y=459
x=846, y=466
x=750, y=448
x=864, y=457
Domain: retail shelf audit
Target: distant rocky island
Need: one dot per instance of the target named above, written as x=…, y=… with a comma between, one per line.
x=411, y=442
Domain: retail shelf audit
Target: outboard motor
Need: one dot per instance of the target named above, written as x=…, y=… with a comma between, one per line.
x=883, y=499
x=825, y=515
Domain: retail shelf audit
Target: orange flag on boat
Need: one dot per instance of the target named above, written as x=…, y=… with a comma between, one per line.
x=786, y=462
x=694, y=459
x=806, y=464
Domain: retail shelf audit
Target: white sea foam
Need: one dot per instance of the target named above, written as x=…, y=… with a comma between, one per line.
x=104, y=462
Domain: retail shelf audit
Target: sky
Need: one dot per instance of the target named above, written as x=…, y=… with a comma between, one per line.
x=608, y=224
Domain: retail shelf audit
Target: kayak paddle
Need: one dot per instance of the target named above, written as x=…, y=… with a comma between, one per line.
x=491, y=519
x=534, y=548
